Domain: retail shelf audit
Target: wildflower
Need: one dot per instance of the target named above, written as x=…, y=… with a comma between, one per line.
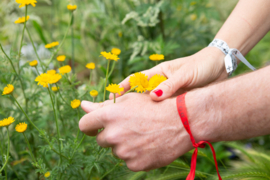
x=71, y=7
x=8, y=89
x=156, y=57
x=155, y=81
x=26, y=2
x=55, y=78
x=90, y=65
x=140, y=80
x=52, y=72
x=116, y=51
x=61, y=58
x=47, y=174
x=46, y=79
x=21, y=127
x=21, y=20
x=65, y=69
x=114, y=88
x=51, y=45
x=55, y=89
x=109, y=56
x=120, y=34
x=75, y=103
x=33, y=63
x=94, y=93
x=193, y=17
x=193, y=3
x=6, y=122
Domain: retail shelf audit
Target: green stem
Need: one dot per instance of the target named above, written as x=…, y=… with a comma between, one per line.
x=35, y=50
x=19, y=55
x=56, y=122
x=131, y=89
x=113, y=97
x=108, y=65
x=7, y=153
x=29, y=147
x=110, y=170
x=113, y=65
x=55, y=52
x=94, y=99
x=90, y=76
x=60, y=93
x=37, y=70
x=72, y=43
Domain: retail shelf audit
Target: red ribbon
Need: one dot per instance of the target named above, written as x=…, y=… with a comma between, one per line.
x=181, y=107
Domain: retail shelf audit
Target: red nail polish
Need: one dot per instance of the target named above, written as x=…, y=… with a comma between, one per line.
x=158, y=92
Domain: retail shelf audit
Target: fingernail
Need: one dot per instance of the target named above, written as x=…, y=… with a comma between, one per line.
x=158, y=92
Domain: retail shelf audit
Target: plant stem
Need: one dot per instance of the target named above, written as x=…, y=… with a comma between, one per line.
x=113, y=97
x=110, y=170
x=20, y=49
x=60, y=93
x=90, y=76
x=7, y=153
x=108, y=65
x=37, y=70
x=131, y=89
x=35, y=50
x=56, y=122
x=29, y=147
x=72, y=44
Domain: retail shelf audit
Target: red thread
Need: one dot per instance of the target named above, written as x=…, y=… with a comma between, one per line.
x=182, y=111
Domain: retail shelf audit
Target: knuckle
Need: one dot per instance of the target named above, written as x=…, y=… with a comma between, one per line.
x=169, y=84
x=112, y=138
x=134, y=166
x=122, y=153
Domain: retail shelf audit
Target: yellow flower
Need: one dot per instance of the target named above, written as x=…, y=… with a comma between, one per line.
x=33, y=63
x=8, y=89
x=51, y=45
x=114, y=88
x=116, y=51
x=109, y=56
x=26, y=2
x=156, y=57
x=55, y=78
x=139, y=79
x=21, y=127
x=21, y=20
x=75, y=103
x=47, y=174
x=90, y=65
x=55, y=89
x=193, y=17
x=94, y=93
x=6, y=122
x=155, y=81
x=65, y=69
x=46, y=79
x=120, y=34
x=193, y=3
x=61, y=58
x=179, y=8
x=52, y=72
x=71, y=7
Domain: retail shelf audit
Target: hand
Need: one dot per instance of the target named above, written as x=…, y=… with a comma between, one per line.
x=145, y=137
x=198, y=70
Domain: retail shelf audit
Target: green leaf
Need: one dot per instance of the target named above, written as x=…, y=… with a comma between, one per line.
x=39, y=31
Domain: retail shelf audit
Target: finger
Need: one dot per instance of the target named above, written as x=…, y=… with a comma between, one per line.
x=101, y=139
x=92, y=122
x=88, y=106
x=126, y=85
x=167, y=88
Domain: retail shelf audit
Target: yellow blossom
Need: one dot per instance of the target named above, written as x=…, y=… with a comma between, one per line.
x=55, y=89
x=116, y=51
x=61, y=58
x=120, y=34
x=21, y=127
x=90, y=65
x=8, y=89
x=65, y=69
x=94, y=93
x=6, y=122
x=193, y=3
x=193, y=17
x=26, y=2
x=46, y=79
x=51, y=72
x=71, y=7
x=33, y=63
x=140, y=80
x=51, y=45
x=47, y=174
x=179, y=8
x=156, y=57
x=109, y=56
x=114, y=88
x=21, y=20
x=55, y=78
x=75, y=103
x=155, y=81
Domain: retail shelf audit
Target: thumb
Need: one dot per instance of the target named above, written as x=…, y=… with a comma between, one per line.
x=167, y=88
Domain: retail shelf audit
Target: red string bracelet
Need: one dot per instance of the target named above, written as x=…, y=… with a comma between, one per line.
x=181, y=107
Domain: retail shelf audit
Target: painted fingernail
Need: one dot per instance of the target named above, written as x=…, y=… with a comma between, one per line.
x=158, y=92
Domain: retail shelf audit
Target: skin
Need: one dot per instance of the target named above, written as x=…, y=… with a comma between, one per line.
x=243, y=29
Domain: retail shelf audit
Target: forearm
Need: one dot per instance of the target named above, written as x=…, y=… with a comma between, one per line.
x=246, y=25
x=232, y=110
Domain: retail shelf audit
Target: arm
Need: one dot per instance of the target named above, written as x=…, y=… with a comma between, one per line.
x=246, y=25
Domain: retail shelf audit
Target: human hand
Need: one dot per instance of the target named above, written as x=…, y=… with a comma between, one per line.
x=145, y=137
x=198, y=70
